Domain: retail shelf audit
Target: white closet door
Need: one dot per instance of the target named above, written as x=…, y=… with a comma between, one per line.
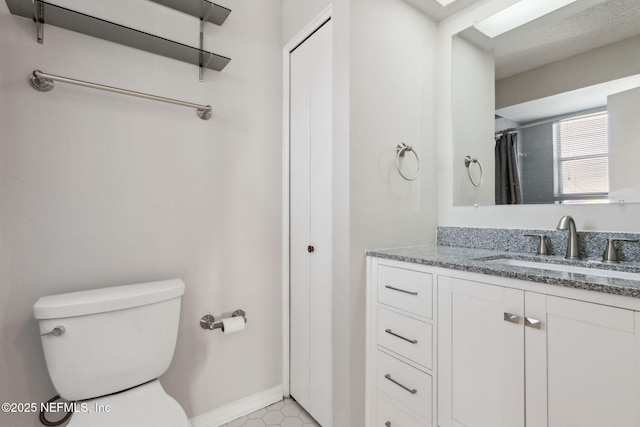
x=311, y=224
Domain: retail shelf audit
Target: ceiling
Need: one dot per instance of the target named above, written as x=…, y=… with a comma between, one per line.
x=583, y=99
x=600, y=25
x=574, y=29
x=438, y=12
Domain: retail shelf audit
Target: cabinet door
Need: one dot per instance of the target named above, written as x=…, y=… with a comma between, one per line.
x=582, y=365
x=480, y=355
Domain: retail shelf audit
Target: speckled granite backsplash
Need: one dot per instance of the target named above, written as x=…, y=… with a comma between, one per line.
x=591, y=243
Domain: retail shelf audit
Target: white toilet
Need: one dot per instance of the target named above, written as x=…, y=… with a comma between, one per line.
x=105, y=349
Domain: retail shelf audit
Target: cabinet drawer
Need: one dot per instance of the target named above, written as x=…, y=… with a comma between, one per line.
x=390, y=415
x=404, y=384
x=408, y=337
x=406, y=289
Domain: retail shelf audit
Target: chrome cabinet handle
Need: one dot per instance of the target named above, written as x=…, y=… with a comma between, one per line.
x=410, y=390
x=512, y=318
x=390, y=332
x=388, y=424
x=532, y=323
x=56, y=332
x=401, y=290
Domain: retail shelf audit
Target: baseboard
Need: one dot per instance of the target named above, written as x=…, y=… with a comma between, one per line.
x=237, y=409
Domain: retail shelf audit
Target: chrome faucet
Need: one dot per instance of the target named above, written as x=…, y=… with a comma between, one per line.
x=567, y=223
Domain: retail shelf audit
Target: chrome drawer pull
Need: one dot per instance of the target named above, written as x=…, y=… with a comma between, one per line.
x=389, y=331
x=388, y=424
x=401, y=290
x=532, y=323
x=513, y=318
x=410, y=390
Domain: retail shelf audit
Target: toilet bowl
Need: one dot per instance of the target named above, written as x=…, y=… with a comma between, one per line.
x=105, y=349
x=145, y=405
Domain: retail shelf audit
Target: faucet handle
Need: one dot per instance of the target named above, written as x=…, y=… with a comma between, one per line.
x=610, y=254
x=542, y=247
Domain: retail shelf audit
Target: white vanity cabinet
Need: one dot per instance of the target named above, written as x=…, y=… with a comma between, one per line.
x=502, y=352
x=510, y=357
x=400, y=345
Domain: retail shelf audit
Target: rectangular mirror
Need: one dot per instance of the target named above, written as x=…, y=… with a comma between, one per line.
x=547, y=112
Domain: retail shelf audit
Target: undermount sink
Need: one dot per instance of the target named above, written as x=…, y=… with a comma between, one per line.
x=566, y=268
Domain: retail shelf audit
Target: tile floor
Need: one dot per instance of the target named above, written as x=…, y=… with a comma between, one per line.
x=286, y=413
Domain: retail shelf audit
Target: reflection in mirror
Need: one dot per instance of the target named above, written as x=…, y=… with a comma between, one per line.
x=550, y=108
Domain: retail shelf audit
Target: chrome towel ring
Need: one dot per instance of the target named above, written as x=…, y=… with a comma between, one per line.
x=467, y=162
x=401, y=149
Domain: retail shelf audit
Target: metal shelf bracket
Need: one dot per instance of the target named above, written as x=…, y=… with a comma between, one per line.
x=206, y=9
x=38, y=12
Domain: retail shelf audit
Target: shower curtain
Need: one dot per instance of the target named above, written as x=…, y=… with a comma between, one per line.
x=508, y=191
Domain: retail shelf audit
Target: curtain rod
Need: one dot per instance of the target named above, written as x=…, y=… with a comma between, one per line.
x=541, y=122
x=553, y=119
x=44, y=83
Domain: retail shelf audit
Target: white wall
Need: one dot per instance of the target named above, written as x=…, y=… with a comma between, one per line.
x=599, y=65
x=393, y=87
x=624, y=144
x=473, y=105
x=100, y=189
x=588, y=217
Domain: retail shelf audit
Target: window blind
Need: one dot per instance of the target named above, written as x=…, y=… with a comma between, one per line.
x=581, y=152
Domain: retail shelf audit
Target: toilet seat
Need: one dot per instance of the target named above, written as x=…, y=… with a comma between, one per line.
x=147, y=405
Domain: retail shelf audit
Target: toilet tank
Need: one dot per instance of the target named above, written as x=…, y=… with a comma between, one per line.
x=114, y=338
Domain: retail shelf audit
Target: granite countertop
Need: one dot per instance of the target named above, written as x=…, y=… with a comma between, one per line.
x=475, y=260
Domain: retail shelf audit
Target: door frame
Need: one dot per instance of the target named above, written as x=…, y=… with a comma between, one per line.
x=298, y=39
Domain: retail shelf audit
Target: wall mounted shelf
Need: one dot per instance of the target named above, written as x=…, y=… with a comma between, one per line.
x=110, y=31
x=214, y=13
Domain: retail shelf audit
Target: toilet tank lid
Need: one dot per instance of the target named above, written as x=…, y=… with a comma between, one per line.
x=106, y=299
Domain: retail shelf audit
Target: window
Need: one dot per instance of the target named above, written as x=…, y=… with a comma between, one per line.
x=581, y=157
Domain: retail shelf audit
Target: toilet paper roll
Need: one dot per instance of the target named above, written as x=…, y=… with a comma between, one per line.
x=232, y=324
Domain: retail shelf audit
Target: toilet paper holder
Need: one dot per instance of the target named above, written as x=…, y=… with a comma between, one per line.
x=209, y=322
